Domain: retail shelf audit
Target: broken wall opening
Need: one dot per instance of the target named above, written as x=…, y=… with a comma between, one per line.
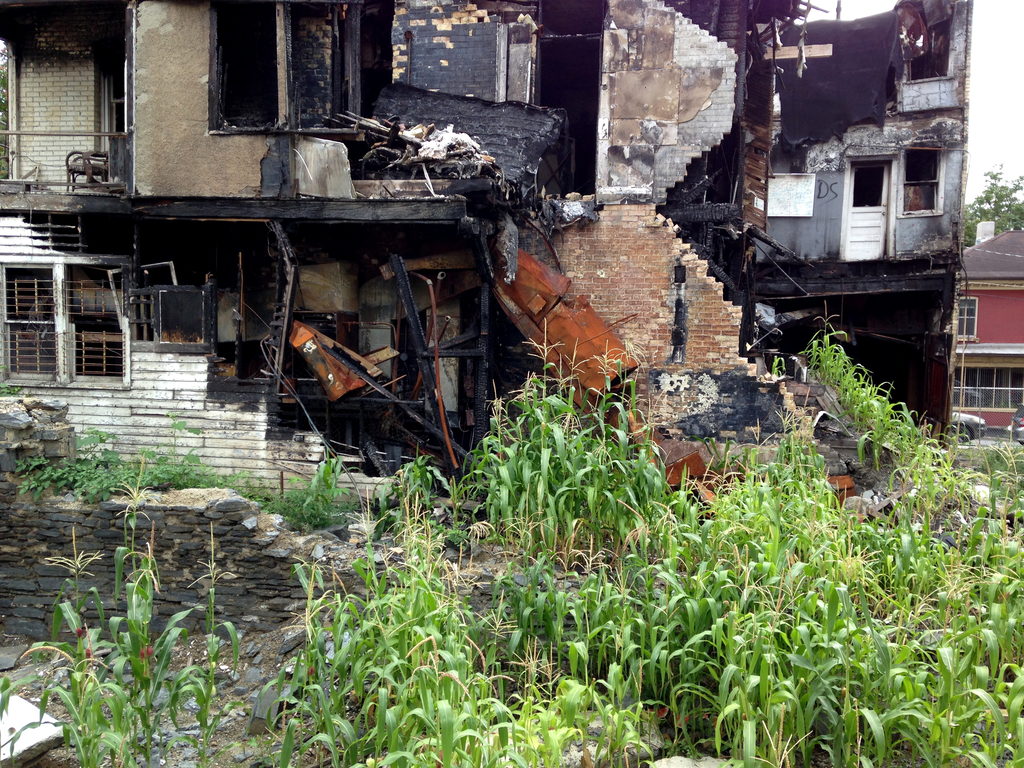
x=900, y=346
x=360, y=360
x=246, y=64
x=569, y=78
x=210, y=284
x=376, y=52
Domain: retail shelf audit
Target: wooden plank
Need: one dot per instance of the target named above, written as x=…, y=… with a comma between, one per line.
x=45, y=202
x=810, y=52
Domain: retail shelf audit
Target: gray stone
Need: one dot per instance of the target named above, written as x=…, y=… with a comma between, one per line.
x=291, y=640
x=686, y=762
x=15, y=420
x=232, y=504
x=10, y=655
x=280, y=552
x=37, y=733
x=250, y=523
x=113, y=506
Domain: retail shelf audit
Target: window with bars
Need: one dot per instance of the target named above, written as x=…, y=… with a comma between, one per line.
x=967, y=318
x=989, y=388
x=30, y=323
x=62, y=323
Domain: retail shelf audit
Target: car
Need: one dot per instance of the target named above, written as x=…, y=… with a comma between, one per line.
x=1017, y=425
x=967, y=426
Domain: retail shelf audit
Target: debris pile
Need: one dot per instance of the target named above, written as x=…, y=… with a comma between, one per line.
x=423, y=150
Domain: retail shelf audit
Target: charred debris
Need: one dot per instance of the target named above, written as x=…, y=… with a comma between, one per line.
x=299, y=220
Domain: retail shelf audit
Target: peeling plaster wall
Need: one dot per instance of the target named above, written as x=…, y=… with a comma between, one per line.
x=667, y=95
x=174, y=152
x=820, y=237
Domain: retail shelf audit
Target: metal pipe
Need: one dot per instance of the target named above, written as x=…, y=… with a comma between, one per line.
x=438, y=394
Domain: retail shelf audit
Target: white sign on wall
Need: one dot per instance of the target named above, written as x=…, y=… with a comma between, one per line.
x=791, y=194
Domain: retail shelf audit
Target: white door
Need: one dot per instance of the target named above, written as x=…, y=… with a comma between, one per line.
x=867, y=217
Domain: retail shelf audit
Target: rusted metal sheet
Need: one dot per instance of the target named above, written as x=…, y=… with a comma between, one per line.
x=684, y=459
x=571, y=334
x=335, y=378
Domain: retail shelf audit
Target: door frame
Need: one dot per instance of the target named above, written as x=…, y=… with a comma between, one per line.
x=891, y=163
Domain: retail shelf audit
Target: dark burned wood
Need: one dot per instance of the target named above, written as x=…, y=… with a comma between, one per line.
x=46, y=202
x=838, y=286
x=439, y=210
x=714, y=213
x=759, y=234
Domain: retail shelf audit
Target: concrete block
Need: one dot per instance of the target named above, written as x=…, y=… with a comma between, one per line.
x=26, y=733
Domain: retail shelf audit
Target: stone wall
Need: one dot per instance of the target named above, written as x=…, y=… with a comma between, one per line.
x=33, y=428
x=258, y=550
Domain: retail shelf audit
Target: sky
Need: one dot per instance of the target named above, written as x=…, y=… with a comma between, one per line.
x=996, y=109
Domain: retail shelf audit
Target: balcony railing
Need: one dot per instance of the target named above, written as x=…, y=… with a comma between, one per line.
x=68, y=161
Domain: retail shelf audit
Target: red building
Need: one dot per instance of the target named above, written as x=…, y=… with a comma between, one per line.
x=989, y=379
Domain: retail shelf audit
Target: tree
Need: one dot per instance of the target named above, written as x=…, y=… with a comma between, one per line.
x=1001, y=201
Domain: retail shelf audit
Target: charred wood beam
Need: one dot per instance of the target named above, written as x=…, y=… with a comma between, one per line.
x=58, y=203
x=439, y=210
x=759, y=234
x=431, y=393
x=711, y=213
x=837, y=286
x=376, y=386
x=485, y=347
x=286, y=287
x=690, y=195
x=723, y=277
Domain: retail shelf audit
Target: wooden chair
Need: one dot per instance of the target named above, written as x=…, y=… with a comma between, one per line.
x=94, y=166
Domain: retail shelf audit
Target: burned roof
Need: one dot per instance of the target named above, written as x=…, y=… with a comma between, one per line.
x=516, y=135
x=848, y=87
x=1000, y=258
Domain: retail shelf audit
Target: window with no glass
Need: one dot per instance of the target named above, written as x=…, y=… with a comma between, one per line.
x=921, y=180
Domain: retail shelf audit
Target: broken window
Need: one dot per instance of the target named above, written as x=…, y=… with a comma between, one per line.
x=967, y=319
x=934, y=61
x=284, y=64
x=921, y=180
x=246, y=64
x=62, y=323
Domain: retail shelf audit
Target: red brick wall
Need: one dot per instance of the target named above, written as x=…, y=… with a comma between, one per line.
x=625, y=263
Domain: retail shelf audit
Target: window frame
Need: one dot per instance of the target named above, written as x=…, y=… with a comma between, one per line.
x=940, y=166
x=65, y=330
x=346, y=88
x=961, y=317
x=1009, y=392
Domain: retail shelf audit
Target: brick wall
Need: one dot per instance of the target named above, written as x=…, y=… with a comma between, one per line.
x=311, y=66
x=57, y=84
x=628, y=264
x=455, y=47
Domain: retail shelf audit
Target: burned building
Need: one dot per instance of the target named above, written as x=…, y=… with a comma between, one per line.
x=866, y=193
x=298, y=221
